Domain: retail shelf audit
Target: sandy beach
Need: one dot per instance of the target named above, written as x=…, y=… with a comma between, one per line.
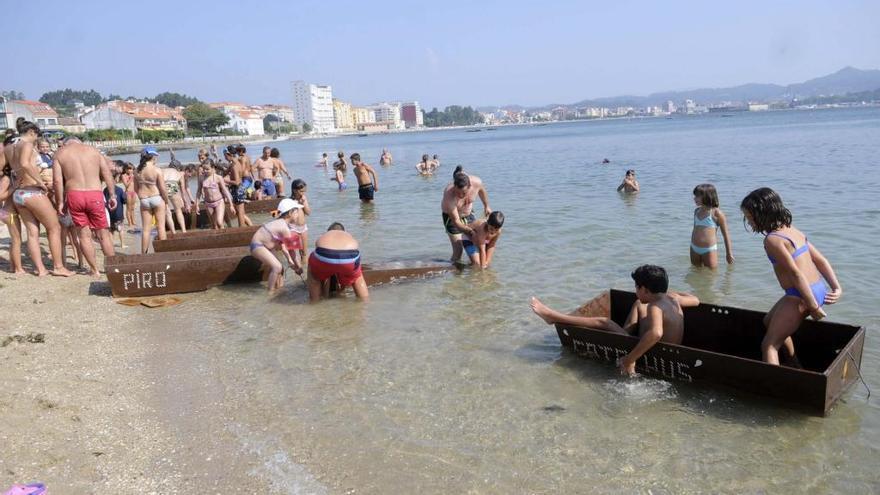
x=83, y=405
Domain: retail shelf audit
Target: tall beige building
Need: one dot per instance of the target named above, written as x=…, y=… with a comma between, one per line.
x=363, y=115
x=342, y=114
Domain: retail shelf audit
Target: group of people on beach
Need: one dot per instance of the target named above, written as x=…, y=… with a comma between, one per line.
x=62, y=192
x=805, y=275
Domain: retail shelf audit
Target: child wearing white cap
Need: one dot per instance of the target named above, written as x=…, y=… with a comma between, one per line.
x=279, y=233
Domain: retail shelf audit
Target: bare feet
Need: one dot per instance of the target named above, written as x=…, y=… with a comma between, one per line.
x=61, y=272
x=41, y=273
x=541, y=310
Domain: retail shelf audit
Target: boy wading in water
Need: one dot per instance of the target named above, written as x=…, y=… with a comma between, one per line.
x=657, y=315
x=368, y=182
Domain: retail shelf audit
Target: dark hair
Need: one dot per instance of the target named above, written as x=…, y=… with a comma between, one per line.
x=651, y=277
x=336, y=226
x=230, y=149
x=355, y=157
x=435, y=156
x=707, y=194
x=18, y=123
x=119, y=164
x=267, y=148
x=127, y=167
x=10, y=138
x=496, y=219
x=630, y=172
x=340, y=155
x=27, y=126
x=425, y=158
x=145, y=157
x=767, y=211
x=297, y=184
x=460, y=179
x=323, y=154
x=275, y=153
x=9, y=132
x=241, y=149
x=7, y=171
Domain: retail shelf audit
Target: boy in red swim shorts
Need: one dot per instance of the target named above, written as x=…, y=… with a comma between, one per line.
x=336, y=254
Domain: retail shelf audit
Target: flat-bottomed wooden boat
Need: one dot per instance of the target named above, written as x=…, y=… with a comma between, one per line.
x=722, y=345
x=206, y=239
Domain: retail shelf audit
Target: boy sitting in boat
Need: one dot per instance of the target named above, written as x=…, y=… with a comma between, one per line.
x=657, y=315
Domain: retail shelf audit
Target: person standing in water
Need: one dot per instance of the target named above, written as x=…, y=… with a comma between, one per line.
x=339, y=168
x=630, y=184
x=234, y=181
x=426, y=166
x=457, y=207
x=800, y=269
x=385, y=158
x=280, y=168
x=480, y=247
x=265, y=169
x=708, y=218
x=368, y=182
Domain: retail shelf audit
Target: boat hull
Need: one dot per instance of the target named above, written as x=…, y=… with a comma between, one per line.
x=206, y=239
x=722, y=347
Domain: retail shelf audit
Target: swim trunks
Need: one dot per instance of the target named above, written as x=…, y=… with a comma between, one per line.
x=451, y=229
x=343, y=186
x=365, y=192
x=269, y=187
x=237, y=194
x=469, y=247
x=345, y=264
x=87, y=209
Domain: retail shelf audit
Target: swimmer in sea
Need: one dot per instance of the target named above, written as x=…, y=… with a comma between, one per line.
x=457, y=207
x=425, y=167
x=708, y=218
x=480, y=246
x=368, y=181
x=385, y=158
x=630, y=184
x=340, y=168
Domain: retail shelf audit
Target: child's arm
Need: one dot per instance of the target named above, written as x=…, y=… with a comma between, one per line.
x=728, y=244
x=621, y=186
x=828, y=274
x=653, y=334
x=305, y=202
x=685, y=299
x=486, y=257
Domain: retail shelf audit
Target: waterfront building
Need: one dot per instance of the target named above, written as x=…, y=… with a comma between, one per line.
x=670, y=106
x=135, y=115
x=342, y=115
x=283, y=112
x=411, y=114
x=246, y=122
x=362, y=115
x=313, y=104
x=388, y=112
x=34, y=111
x=71, y=125
x=374, y=126
x=758, y=107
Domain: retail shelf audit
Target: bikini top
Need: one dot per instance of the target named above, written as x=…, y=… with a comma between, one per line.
x=797, y=251
x=147, y=182
x=210, y=184
x=707, y=222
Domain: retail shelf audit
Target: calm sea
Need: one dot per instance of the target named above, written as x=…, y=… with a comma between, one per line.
x=451, y=385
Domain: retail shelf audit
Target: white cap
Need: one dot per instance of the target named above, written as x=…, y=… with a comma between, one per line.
x=286, y=205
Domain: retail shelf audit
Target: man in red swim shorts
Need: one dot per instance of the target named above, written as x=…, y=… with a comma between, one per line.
x=336, y=254
x=78, y=172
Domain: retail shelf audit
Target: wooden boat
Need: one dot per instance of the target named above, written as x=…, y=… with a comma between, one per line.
x=206, y=239
x=133, y=275
x=390, y=272
x=722, y=346
x=261, y=205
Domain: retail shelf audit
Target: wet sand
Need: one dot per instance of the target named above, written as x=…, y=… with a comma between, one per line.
x=84, y=403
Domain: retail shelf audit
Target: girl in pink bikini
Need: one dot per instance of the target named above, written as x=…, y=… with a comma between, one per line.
x=279, y=234
x=213, y=189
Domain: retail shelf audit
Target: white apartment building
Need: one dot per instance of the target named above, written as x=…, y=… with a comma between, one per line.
x=313, y=103
x=389, y=113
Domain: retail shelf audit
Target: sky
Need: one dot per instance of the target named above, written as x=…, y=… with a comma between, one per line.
x=475, y=53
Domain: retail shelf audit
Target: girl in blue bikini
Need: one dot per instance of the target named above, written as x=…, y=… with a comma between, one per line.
x=800, y=268
x=708, y=218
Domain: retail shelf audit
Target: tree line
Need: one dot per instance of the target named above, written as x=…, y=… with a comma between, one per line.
x=452, y=115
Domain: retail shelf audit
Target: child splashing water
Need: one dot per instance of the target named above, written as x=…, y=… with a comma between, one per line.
x=279, y=233
x=799, y=267
x=708, y=218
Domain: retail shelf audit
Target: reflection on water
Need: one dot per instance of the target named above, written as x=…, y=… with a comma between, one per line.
x=450, y=384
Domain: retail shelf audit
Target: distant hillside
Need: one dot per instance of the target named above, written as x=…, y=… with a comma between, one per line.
x=846, y=80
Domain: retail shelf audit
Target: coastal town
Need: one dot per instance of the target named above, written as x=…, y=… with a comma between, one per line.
x=314, y=110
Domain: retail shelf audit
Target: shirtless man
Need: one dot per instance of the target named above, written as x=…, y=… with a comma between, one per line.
x=656, y=316
x=337, y=255
x=629, y=184
x=32, y=202
x=247, y=169
x=426, y=166
x=280, y=169
x=457, y=207
x=265, y=169
x=385, y=158
x=363, y=173
x=77, y=174
x=435, y=162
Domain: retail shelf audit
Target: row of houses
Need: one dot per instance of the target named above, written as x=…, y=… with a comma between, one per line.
x=137, y=116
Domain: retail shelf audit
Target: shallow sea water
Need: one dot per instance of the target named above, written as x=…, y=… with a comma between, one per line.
x=451, y=385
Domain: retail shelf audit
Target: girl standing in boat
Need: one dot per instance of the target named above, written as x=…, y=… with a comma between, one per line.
x=214, y=191
x=708, y=218
x=279, y=234
x=150, y=186
x=178, y=201
x=799, y=267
